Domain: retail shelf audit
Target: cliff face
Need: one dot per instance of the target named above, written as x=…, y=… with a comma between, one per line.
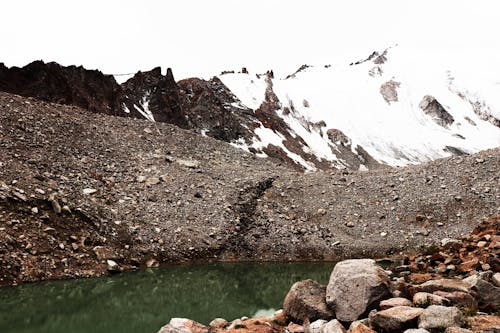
x=51, y=82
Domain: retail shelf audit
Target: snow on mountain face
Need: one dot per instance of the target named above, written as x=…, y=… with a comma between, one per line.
x=397, y=107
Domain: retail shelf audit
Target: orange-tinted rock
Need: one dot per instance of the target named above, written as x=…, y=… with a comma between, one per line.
x=295, y=328
x=361, y=328
x=255, y=325
x=468, y=265
x=420, y=277
x=485, y=323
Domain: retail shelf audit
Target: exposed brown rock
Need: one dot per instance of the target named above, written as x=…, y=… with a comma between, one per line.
x=306, y=299
x=431, y=107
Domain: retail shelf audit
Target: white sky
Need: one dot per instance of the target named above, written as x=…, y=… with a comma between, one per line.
x=203, y=37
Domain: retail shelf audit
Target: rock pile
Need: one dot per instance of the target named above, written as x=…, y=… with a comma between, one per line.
x=476, y=253
x=361, y=298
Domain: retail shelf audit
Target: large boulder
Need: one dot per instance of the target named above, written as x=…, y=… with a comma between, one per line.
x=437, y=317
x=395, y=319
x=306, y=299
x=488, y=296
x=356, y=286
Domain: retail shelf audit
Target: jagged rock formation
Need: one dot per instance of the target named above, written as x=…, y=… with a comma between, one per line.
x=51, y=82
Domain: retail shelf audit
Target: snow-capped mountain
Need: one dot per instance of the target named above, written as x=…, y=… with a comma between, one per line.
x=395, y=107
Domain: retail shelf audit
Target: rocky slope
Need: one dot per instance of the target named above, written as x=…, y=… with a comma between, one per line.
x=85, y=193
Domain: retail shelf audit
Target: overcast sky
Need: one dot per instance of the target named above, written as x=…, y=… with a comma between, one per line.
x=203, y=37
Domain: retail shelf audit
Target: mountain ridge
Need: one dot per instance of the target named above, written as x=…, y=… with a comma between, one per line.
x=365, y=115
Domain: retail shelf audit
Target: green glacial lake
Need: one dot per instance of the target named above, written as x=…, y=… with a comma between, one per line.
x=143, y=301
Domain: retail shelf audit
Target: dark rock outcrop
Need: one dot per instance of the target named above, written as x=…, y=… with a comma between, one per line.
x=431, y=107
x=88, y=89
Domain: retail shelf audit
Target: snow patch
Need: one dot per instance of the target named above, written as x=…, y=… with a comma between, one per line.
x=347, y=97
x=143, y=108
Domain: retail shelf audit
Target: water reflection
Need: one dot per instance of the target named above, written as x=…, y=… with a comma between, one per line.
x=143, y=301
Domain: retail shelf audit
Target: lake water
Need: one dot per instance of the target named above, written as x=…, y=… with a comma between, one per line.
x=143, y=301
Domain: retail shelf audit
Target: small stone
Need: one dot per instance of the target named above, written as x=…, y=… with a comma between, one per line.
x=112, y=266
x=423, y=299
x=294, y=328
x=457, y=330
x=169, y=159
x=321, y=211
x=360, y=328
x=484, y=323
x=495, y=279
x=152, y=181
x=383, y=234
x=19, y=195
x=218, y=323
x=395, y=319
x=61, y=246
x=88, y=191
x=334, y=326
x=39, y=191
x=183, y=325
x=448, y=285
x=316, y=326
x=66, y=209
x=148, y=131
x=279, y=317
x=74, y=246
x=393, y=302
x=140, y=179
x=152, y=263
x=437, y=317
x=192, y=164
x=481, y=244
x=349, y=224
x=34, y=210
x=463, y=300
x=236, y=324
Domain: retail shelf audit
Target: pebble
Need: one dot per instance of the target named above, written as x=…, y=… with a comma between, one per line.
x=481, y=244
x=88, y=191
x=152, y=181
x=112, y=266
